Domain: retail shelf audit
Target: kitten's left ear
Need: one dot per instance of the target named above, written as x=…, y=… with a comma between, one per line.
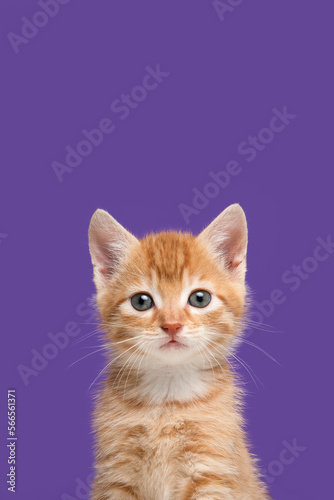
x=227, y=237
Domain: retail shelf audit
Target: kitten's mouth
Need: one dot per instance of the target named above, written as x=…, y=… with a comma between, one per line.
x=172, y=344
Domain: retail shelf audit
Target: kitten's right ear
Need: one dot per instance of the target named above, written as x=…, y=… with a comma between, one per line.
x=108, y=244
x=227, y=237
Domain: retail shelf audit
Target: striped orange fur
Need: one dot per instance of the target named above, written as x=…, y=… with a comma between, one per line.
x=168, y=419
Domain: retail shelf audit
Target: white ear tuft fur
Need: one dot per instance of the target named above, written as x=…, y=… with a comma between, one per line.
x=108, y=244
x=227, y=236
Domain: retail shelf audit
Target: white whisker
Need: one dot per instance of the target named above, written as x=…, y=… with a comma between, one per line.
x=84, y=357
x=107, y=366
x=262, y=350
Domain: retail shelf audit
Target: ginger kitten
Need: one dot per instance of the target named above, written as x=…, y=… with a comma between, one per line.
x=168, y=421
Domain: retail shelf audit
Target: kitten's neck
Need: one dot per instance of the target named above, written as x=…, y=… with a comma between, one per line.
x=180, y=383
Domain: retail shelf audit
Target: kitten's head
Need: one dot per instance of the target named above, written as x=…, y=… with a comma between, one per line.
x=170, y=298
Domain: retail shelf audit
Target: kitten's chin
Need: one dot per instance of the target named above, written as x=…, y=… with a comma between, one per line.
x=172, y=353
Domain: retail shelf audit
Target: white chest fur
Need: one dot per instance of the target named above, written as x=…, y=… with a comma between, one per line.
x=174, y=383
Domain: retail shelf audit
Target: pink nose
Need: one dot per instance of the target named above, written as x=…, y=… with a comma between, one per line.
x=172, y=328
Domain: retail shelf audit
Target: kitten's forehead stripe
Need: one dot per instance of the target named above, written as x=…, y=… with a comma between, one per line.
x=168, y=254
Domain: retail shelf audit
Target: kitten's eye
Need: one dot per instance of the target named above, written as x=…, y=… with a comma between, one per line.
x=142, y=301
x=201, y=298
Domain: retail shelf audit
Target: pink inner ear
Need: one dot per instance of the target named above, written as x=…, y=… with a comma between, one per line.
x=102, y=270
x=102, y=255
x=233, y=249
x=104, y=260
x=99, y=253
x=236, y=262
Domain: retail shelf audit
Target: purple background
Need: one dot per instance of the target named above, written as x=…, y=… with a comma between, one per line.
x=225, y=79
